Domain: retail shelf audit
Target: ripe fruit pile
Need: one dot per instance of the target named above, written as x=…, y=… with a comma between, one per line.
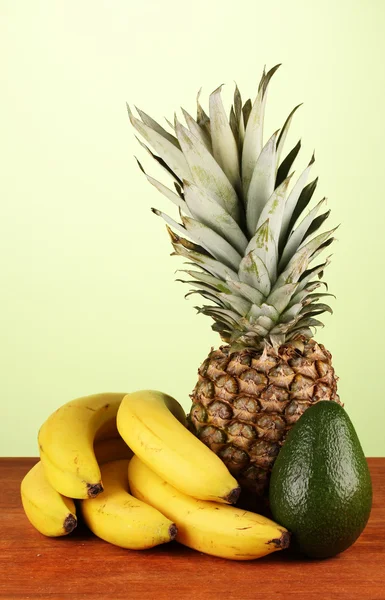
x=265, y=404
x=174, y=487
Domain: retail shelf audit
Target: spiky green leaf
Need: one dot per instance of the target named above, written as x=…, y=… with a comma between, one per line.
x=214, y=243
x=147, y=120
x=197, y=130
x=175, y=198
x=225, y=148
x=253, y=271
x=206, y=172
x=298, y=235
x=284, y=132
x=204, y=208
x=253, y=142
x=262, y=183
x=172, y=155
x=287, y=163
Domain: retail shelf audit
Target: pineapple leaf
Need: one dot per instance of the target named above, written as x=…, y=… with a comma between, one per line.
x=236, y=303
x=225, y=148
x=246, y=110
x=253, y=272
x=274, y=210
x=269, y=311
x=309, y=274
x=312, y=309
x=175, y=198
x=283, y=328
x=206, y=172
x=208, y=295
x=280, y=297
x=265, y=322
x=214, y=243
x=206, y=210
x=239, y=125
x=198, y=257
x=304, y=199
x=263, y=245
x=300, y=331
x=172, y=155
x=223, y=314
x=292, y=201
x=284, y=132
x=291, y=312
x=300, y=296
x=301, y=259
x=297, y=236
x=179, y=227
x=203, y=119
x=308, y=322
x=198, y=131
x=253, y=142
x=262, y=183
x=287, y=163
x=246, y=291
x=160, y=162
x=208, y=280
x=147, y=120
x=316, y=224
x=237, y=104
x=235, y=129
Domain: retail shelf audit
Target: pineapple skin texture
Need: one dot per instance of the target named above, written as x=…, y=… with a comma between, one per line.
x=245, y=403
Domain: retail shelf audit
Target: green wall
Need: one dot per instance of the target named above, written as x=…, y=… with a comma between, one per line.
x=88, y=297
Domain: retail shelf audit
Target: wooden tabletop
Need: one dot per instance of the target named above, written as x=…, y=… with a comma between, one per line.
x=81, y=566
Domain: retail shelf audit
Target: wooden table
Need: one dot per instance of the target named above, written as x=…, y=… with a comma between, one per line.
x=82, y=566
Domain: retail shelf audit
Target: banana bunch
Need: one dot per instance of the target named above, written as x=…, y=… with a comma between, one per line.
x=141, y=479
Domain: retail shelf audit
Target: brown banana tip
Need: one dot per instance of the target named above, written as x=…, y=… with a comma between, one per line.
x=173, y=531
x=233, y=496
x=282, y=542
x=93, y=489
x=70, y=523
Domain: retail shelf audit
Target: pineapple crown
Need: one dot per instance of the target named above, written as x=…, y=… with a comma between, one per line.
x=254, y=256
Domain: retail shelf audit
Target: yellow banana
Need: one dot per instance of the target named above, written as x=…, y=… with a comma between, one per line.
x=119, y=518
x=49, y=512
x=208, y=527
x=66, y=441
x=153, y=425
x=111, y=449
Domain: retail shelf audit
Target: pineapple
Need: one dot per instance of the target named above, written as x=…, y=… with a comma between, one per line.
x=252, y=257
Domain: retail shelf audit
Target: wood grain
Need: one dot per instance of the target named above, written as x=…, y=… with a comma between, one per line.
x=81, y=566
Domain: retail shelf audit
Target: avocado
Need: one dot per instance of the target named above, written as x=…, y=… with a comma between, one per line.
x=320, y=486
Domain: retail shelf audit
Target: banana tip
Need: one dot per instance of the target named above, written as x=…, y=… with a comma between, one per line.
x=233, y=496
x=93, y=489
x=282, y=542
x=70, y=523
x=173, y=530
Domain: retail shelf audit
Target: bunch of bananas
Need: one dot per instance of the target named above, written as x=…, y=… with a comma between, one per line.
x=140, y=479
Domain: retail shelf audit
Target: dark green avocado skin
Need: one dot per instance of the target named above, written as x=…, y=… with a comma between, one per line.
x=320, y=487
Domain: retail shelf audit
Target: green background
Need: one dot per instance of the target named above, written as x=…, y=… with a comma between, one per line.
x=89, y=301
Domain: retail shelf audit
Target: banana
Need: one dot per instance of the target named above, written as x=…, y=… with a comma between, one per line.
x=111, y=449
x=49, y=512
x=66, y=442
x=119, y=518
x=153, y=425
x=208, y=527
